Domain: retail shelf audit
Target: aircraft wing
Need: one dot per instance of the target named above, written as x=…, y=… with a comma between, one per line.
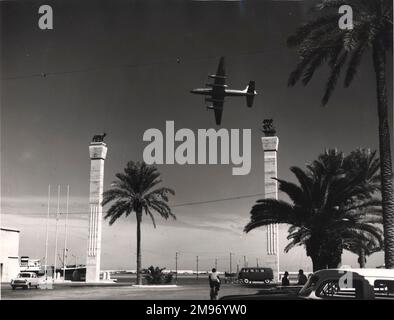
x=220, y=77
x=218, y=108
x=221, y=71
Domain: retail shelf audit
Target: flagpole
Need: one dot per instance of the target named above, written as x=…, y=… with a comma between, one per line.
x=65, y=236
x=57, y=217
x=46, y=240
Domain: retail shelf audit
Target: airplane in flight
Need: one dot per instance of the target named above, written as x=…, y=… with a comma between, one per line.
x=218, y=91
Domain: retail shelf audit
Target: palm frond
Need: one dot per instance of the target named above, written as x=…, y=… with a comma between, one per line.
x=306, y=182
x=293, y=191
x=268, y=211
x=149, y=213
x=333, y=78
x=118, y=209
x=354, y=64
x=306, y=29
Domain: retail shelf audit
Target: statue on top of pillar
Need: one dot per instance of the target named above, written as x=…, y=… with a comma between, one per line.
x=268, y=128
x=99, y=137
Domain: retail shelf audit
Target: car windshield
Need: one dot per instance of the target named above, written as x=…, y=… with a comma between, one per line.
x=24, y=275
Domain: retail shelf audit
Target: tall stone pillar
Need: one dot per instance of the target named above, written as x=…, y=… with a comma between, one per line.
x=270, y=147
x=98, y=152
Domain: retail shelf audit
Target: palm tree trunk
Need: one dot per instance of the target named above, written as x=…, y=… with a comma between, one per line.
x=318, y=263
x=379, y=57
x=139, y=218
x=335, y=261
x=361, y=258
x=326, y=253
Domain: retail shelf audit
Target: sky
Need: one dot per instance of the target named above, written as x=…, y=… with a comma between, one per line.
x=123, y=67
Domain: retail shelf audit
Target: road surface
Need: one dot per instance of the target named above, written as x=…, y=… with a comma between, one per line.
x=182, y=292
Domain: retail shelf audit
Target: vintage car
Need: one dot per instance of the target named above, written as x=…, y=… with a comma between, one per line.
x=25, y=280
x=348, y=283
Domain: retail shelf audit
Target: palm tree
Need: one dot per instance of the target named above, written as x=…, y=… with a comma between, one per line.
x=321, y=41
x=132, y=193
x=363, y=248
x=324, y=212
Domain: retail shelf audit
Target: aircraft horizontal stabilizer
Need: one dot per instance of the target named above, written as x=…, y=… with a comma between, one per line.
x=214, y=76
x=213, y=108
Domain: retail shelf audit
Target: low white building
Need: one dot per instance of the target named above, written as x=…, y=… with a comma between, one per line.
x=9, y=254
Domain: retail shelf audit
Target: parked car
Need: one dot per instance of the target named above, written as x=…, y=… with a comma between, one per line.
x=350, y=283
x=26, y=280
x=248, y=275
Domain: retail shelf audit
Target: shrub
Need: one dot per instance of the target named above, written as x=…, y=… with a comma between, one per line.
x=156, y=276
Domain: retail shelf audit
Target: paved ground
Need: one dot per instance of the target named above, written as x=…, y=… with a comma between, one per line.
x=188, y=292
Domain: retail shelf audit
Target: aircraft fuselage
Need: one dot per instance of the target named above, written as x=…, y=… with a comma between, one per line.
x=220, y=93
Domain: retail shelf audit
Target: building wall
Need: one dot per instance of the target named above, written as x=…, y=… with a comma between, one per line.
x=9, y=254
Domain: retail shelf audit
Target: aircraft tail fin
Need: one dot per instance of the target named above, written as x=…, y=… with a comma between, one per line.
x=250, y=89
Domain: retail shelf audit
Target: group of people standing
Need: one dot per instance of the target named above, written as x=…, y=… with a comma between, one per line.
x=302, y=279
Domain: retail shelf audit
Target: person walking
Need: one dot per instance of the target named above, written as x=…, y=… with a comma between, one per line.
x=214, y=284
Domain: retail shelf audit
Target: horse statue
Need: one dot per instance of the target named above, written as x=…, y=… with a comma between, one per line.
x=99, y=137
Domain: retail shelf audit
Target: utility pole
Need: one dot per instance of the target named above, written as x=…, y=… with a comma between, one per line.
x=231, y=268
x=257, y=262
x=57, y=218
x=176, y=267
x=65, y=236
x=46, y=240
x=245, y=262
x=197, y=265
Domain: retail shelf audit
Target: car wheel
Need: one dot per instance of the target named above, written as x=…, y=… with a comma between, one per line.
x=267, y=281
x=13, y=287
x=246, y=281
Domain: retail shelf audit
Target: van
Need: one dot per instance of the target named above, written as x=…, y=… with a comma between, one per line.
x=249, y=275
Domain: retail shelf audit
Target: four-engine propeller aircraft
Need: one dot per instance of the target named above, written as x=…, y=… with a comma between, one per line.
x=218, y=91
